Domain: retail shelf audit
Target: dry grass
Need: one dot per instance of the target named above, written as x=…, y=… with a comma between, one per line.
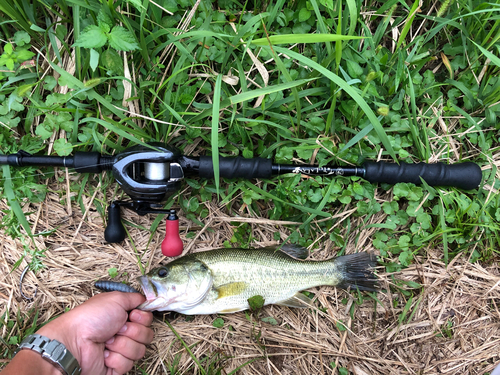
x=454, y=325
x=451, y=326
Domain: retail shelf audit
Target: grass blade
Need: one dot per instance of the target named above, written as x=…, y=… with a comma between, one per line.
x=13, y=203
x=215, y=130
x=302, y=38
x=409, y=21
x=353, y=16
x=407, y=307
x=494, y=59
x=193, y=357
x=248, y=95
x=321, y=24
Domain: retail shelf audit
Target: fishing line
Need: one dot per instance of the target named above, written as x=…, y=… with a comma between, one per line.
x=26, y=269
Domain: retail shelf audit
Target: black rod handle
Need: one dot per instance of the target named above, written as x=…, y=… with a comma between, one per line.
x=465, y=176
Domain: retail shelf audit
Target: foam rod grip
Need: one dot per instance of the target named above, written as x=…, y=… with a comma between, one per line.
x=237, y=167
x=465, y=176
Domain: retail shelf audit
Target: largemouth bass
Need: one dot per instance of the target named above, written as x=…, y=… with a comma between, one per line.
x=222, y=280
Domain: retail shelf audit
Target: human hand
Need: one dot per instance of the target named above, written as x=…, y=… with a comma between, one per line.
x=98, y=334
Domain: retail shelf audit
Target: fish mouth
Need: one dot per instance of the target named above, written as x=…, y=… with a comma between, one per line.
x=148, y=288
x=153, y=300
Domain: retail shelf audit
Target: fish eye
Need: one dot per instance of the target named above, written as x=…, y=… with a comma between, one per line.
x=162, y=272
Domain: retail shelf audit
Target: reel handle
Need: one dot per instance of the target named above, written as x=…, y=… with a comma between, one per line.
x=172, y=245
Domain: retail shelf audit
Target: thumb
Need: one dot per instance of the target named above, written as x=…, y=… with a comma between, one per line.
x=128, y=301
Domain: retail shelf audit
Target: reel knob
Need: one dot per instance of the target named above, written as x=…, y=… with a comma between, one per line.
x=115, y=231
x=172, y=245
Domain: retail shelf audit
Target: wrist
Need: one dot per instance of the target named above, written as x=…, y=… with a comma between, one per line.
x=63, y=331
x=30, y=362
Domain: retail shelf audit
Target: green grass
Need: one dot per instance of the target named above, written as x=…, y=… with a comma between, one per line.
x=340, y=88
x=369, y=96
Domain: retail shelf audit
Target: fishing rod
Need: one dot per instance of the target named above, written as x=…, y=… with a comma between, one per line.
x=150, y=174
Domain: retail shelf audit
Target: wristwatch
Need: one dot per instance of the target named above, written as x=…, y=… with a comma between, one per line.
x=52, y=351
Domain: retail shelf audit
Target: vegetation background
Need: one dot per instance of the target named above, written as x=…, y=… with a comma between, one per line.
x=313, y=82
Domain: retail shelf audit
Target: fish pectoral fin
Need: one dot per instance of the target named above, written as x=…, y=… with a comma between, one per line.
x=231, y=289
x=298, y=300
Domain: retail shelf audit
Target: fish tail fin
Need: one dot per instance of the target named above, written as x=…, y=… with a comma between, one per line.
x=357, y=271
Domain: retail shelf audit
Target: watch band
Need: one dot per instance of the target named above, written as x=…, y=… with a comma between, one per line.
x=52, y=351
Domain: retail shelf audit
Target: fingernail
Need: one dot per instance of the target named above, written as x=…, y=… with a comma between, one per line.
x=111, y=340
x=123, y=329
x=136, y=316
x=106, y=353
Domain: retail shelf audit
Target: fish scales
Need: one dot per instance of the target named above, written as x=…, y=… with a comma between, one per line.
x=222, y=280
x=270, y=274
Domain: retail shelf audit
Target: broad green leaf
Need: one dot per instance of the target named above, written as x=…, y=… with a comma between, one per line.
x=94, y=59
x=62, y=147
x=354, y=69
x=304, y=14
x=14, y=103
x=218, y=323
x=122, y=40
x=256, y=302
x=43, y=131
x=270, y=320
x=104, y=21
x=302, y=38
x=91, y=37
x=50, y=83
x=341, y=326
x=21, y=38
x=327, y=3
x=136, y=3
x=112, y=61
x=24, y=54
x=193, y=204
x=113, y=272
x=9, y=64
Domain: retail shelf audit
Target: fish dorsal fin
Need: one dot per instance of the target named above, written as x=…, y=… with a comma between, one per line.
x=295, y=251
x=298, y=300
x=231, y=289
